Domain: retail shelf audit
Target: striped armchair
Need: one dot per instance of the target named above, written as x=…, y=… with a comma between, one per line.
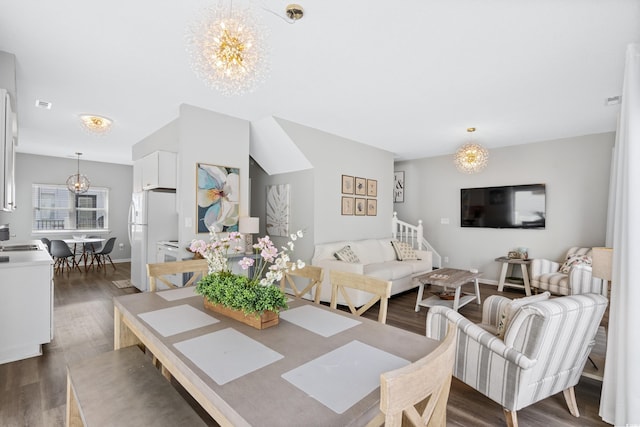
x=545, y=275
x=545, y=347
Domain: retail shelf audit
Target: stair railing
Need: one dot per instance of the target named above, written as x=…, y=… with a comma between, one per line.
x=414, y=236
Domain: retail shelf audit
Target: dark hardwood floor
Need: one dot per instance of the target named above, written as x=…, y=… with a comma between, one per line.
x=33, y=391
x=467, y=407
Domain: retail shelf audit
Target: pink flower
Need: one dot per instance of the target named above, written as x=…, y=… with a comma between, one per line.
x=269, y=253
x=264, y=242
x=198, y=246
x=245, y=263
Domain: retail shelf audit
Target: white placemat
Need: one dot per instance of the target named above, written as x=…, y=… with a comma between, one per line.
x=175, y=294
x=317, y=320
x=342, y=377
x=227, y=354
x=174, y=320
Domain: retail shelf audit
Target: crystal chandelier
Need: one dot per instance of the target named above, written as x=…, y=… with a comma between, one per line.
x=471, y=157
x=228, y=49
x=78, y=183
x=96, y=125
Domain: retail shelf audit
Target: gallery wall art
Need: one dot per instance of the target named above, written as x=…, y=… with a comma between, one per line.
x=358, y=196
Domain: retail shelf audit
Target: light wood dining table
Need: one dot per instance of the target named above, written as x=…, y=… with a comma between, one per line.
x=317, y=367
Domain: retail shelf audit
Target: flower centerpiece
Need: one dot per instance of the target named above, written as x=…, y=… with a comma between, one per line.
x=253, y=298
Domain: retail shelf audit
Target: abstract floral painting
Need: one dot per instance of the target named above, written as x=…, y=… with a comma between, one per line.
x=278, y=210
x=218, y=198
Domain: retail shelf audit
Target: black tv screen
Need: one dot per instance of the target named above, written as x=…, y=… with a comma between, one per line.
x=511, y=206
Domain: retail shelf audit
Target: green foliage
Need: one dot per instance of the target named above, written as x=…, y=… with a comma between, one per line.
x=237, y=292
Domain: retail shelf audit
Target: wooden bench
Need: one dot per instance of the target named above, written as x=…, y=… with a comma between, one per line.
x=123, y=388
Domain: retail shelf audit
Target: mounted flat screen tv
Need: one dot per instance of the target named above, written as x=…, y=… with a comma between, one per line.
x=511, y=206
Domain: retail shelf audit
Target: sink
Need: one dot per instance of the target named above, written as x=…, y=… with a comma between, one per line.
x=14, y=248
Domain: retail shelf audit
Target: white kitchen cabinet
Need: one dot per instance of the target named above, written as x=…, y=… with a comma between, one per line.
x=26, y=303
x=156, y=170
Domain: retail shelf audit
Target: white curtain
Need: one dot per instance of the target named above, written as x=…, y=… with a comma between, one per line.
x=620, y=399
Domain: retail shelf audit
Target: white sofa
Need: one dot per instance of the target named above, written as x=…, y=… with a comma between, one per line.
x=377, y=259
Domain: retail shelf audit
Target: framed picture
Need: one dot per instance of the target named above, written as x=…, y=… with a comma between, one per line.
x=372, y=188
x=277, y=210
x=217, y=198
x=398, y=187
x=347, y=184
x=347, y=205
x=372, y=207
x=361, y=206
x=361, y=186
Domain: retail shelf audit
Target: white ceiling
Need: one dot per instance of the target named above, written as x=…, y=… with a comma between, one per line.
x=405, y=76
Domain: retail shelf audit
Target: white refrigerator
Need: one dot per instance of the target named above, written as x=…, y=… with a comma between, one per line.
x=152, y=217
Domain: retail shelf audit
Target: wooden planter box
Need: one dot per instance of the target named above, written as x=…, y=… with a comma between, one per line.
x=268, y=318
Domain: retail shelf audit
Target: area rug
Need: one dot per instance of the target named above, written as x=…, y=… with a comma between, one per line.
x=123, y=283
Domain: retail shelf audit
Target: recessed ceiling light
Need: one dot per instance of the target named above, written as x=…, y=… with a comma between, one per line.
x=43, y=104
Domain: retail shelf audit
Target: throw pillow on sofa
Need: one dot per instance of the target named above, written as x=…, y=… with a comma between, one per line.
x=346, y=254
x=574, y=260
x=510, y=310
x=404, y=251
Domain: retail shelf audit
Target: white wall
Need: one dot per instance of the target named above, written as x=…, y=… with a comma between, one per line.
x=212, y=138
x=164, y=139
x=333, y=156
x=8, y=76
x=301, y=216
x=31, y=168
x=575, y=171
x=197, y=136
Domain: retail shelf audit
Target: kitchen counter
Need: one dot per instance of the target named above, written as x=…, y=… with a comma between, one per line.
x=26, y=301
x=21, y=258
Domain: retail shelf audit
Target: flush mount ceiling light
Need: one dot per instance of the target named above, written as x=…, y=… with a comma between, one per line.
x=96, y=125
x=78, y=183
x=228, y=49
x=471, y=157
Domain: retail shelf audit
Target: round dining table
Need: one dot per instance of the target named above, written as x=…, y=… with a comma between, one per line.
x=83, y=241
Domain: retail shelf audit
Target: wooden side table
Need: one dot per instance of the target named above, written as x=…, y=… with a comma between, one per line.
x=506, y=262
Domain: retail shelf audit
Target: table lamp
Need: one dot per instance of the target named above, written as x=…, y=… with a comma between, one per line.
x=248, y=226
x=602, y=265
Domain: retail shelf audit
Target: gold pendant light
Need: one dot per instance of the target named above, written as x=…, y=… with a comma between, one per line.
x=228, y=49
x=471, y=157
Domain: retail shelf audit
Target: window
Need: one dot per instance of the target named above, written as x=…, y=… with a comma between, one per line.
x=56, y=208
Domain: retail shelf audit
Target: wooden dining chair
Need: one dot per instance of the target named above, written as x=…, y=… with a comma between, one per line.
x=314, y=274
x=380, y=290
x=161, y=270
x=417, y=394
